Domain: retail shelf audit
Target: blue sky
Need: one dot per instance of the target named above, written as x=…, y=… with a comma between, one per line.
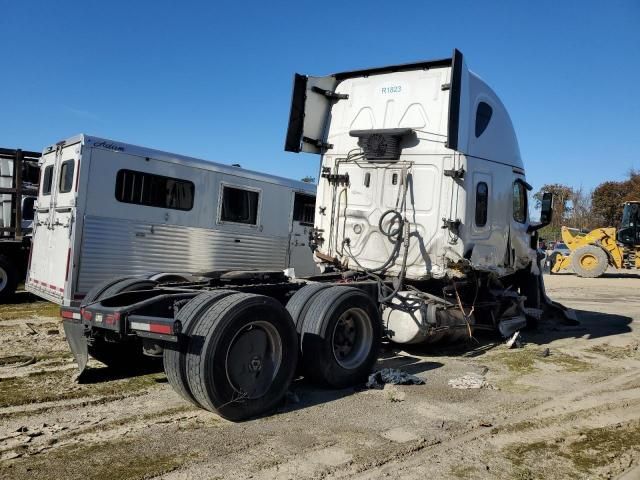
x=213, y=79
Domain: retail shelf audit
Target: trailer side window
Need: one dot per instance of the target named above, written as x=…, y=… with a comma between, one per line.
x=141, y=188
x=519, y=202
x=483, y=117
x=482, y=204
x=66, y=176
x=304, y=207
x=239, y=205
x=47, y=180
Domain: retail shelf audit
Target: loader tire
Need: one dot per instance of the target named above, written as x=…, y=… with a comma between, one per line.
x=589, y=261
x=174, y=355
x=299, y=303
x=242, y=356
x=341, y=335
x=8, y=278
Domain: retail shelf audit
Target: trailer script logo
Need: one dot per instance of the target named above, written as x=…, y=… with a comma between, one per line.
x=109, y=146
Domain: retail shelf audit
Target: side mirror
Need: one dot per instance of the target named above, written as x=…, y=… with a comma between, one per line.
x=546, y=213
x=546, y=208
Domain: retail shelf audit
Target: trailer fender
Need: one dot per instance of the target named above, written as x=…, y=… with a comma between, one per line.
x=77, y=340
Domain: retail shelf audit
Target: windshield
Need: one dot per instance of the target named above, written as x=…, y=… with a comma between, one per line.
x=630, y=215
x=561, y=245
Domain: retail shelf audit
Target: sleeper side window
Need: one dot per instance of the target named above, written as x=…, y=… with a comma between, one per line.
x=482, y=204
x=519, y=202
x=483, y=117
x=66, y=176
x=304, y=207
x=47, y=180
x=239, y=205
x=141, y=188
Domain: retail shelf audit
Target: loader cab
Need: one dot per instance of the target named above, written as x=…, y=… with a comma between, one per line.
x=629, y=232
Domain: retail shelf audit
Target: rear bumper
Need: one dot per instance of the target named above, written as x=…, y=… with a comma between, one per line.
x=48, y=292
x=96, y=319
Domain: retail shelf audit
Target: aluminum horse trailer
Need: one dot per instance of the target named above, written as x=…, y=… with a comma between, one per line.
x=106, y=209
x=422, y=229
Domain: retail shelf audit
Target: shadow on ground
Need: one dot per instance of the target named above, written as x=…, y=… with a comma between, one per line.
x=101, y=374
x=416, y=359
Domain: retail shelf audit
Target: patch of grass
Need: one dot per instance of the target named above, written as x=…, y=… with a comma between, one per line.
x=593, y=448
x=127, y=459
x=523, y=361
x=55, y=385
x=613, y=352
x=26, y=311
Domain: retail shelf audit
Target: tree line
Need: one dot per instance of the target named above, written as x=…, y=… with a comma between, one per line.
x=576, y=208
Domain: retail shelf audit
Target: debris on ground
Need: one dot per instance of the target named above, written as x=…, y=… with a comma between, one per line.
x=470, y=380
x=392, y=376
x=514, y=341
x=545, y=353
x=394, y=395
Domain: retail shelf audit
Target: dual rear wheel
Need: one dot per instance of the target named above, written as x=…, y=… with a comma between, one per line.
x=240, y=351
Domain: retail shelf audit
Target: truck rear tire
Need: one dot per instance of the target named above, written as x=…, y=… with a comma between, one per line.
x=8, y=278
x=299, y=303
x=341, y=335
x=174, y=355
x=589, y=261
x=242, y=356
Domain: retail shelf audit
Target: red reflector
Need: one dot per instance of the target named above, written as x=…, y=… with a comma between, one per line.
x=66, y=313
x=112, y=318
x=86, y=314
x=160, y=328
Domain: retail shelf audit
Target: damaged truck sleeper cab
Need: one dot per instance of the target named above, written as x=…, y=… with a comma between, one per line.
x=422, y=189
x=421, y=227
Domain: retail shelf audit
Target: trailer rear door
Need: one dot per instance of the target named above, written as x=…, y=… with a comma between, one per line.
x=52, y=246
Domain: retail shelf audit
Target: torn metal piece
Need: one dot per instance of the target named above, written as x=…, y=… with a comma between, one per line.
x=514, y=341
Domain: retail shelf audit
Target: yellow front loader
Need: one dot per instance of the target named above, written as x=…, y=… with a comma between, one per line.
x=593, y=252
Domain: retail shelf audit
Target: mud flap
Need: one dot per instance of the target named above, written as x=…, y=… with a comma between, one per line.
x=77, y=341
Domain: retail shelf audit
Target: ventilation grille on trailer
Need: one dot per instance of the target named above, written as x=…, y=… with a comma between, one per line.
x=381, y=144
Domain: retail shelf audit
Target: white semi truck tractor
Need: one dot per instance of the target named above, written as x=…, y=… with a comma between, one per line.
x=422, y=232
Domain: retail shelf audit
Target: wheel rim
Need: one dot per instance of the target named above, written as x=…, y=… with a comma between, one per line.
x=352, y=338
x=4, y=279
x=588, y=261
x=253, y=359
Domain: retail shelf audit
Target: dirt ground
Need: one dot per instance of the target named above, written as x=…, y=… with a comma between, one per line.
x=565, y=405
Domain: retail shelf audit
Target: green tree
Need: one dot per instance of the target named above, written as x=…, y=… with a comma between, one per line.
x=562, y=196
x=607, y=201
x=608, y=197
